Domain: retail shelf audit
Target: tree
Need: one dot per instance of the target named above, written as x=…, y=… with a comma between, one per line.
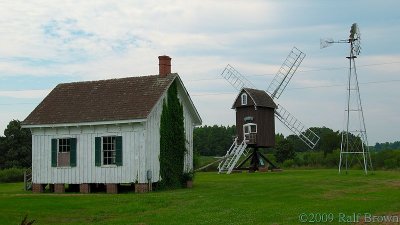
x=298, y=145
x=3, y=152
x=284, y=151
x=172, y=140
x=329, y=139
x=278, y=138
x=16, y=146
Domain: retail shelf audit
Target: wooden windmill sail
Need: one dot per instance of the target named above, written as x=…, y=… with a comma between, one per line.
x=274, y=91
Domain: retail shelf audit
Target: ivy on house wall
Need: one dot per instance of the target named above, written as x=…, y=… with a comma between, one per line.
x=172, y=140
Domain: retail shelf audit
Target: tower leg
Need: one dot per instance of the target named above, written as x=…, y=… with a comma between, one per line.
x=354, y=135
x=257, y=161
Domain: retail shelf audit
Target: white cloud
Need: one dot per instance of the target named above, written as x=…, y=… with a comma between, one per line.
x=25, y=94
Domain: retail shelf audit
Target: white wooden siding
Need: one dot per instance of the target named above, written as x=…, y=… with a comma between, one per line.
x=85, y=170
x=189, y=126
x=153, y=141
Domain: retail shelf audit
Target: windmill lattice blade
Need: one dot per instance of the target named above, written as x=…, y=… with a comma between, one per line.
x=285, y=73
x=237, y=80
x=305, y=134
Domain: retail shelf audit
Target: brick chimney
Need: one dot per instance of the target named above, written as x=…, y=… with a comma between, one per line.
x=164, y=65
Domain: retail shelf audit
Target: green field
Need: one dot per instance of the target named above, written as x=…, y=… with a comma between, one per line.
x=257, y=198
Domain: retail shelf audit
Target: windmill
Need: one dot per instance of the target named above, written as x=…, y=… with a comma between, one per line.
x=255, y=113
x=354, y=134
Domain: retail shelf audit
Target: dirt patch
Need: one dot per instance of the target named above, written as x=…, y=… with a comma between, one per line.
x=393, y=183
x=356, y=194
x=335, y=194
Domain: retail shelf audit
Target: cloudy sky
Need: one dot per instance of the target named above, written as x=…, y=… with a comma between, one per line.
x=43, y=43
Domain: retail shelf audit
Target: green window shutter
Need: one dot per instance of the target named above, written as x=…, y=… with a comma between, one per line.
x=97, y=149
x=118, y=150
x=54, y=143
x=72, y=154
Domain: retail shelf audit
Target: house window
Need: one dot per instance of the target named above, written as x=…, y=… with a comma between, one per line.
x=109, y=147
x=63, y=152
x=64, y=145
x=244, y=99
x=63, y=155
x=108, y=150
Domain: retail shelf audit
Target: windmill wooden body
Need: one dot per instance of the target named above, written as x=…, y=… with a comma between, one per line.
x=255, y=117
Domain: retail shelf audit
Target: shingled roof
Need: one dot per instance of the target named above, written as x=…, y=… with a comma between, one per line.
x=104, y=100
x=260, y=98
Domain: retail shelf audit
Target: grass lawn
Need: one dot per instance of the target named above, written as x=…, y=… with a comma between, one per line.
x=258, y=198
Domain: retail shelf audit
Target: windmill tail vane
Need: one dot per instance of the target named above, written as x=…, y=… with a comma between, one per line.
x=325, y=42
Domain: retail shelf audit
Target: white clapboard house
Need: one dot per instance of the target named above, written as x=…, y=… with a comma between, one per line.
x=105, y=132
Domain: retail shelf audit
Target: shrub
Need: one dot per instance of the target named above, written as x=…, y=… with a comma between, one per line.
x=288, y=163
x=313, y=159
x=12, y=175
x=187, y=176
x=390, y=163
x=271, y=157
x=386, y=159
x=332, y=159
x=298, y=160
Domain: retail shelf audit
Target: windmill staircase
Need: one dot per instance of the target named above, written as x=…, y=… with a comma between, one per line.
x=232, y=156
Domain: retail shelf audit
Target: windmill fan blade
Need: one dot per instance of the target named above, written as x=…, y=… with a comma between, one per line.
x=305, y=134
x=237, y=80
x=285, y=73
x=354, y=31
x=355, y=37
x=357, y=48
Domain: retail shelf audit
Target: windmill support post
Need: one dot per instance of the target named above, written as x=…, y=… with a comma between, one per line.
x=257, y=162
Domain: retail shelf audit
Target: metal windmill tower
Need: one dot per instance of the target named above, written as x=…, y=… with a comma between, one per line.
x=255, y=110
x=354, y=134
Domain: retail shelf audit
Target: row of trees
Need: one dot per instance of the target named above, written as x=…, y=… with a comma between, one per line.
x=216, y=140
x=15, y=145
x=387, y=146
x=213, y=140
